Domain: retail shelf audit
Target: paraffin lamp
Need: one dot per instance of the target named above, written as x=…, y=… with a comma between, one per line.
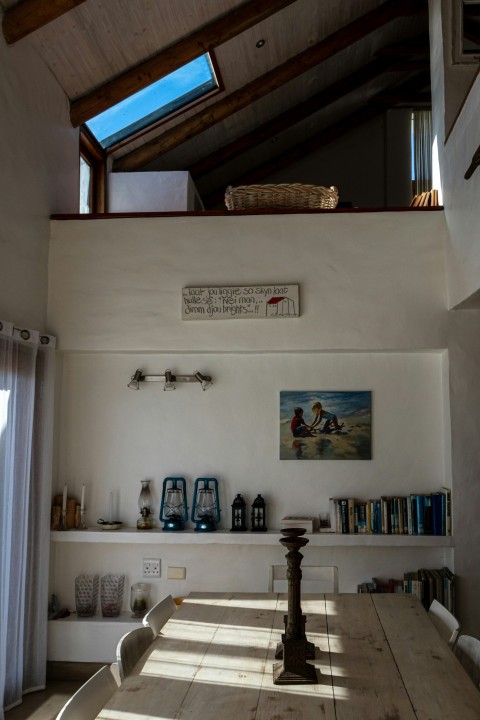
x=145, y=503
x=205, y=510
x=259, y=515
x=239, y=514
x=173, y=510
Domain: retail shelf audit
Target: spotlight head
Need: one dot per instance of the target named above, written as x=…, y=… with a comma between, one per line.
x=135, y=380
x=169, y=384
x=204, y=380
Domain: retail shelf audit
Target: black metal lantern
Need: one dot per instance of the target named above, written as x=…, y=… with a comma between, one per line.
x=239, y=514
x=259, y=515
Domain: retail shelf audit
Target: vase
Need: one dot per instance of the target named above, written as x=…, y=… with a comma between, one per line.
x=86, y=595
x=111, y=594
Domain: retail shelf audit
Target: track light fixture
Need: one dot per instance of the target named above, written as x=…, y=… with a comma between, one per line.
x=169, y=379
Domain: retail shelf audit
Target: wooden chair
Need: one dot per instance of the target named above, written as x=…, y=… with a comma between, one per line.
x=159, y=614
x=315, y=579
x=90, y=698
x=131, y=647
x=446, y=623
x=467, y=650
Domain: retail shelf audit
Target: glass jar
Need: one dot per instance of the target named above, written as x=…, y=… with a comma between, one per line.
x=139, y=599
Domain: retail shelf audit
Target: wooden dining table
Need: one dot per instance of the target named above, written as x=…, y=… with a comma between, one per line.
x=377, y=656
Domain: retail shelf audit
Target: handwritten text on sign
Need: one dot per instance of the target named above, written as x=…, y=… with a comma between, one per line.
x=242, y=301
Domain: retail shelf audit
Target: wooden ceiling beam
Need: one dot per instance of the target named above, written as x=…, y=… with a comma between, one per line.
x=291, y=117
x=198, y=43
x=404, y=92
x=261, y=86
x=30, y=15
x=416, y=47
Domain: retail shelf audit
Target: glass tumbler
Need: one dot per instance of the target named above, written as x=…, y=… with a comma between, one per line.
x=111, y=594
x=86, y=595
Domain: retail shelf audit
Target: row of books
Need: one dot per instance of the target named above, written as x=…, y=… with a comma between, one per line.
x=427, y=585
x=414, y=514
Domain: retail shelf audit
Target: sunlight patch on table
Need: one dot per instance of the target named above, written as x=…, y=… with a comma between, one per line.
x=260, y=603
x=120, y=715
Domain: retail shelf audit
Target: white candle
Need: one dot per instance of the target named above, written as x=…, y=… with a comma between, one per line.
x=82, y=503
x=111, y=506
x=64, y=502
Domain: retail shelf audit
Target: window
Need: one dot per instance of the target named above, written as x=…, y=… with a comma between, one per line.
x=171, y=93
x=421, y=151
x=92, y=175
x=466, y=22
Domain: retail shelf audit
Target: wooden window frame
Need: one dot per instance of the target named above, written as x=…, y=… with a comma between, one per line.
x=96, y=157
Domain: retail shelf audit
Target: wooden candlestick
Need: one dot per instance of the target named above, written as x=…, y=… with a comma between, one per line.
x=294, y=670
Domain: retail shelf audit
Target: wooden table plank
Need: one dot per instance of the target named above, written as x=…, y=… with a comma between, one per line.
x=438, y=686
x=300, y=702
x=366, y=682
x=229, y=681
x=164, y=674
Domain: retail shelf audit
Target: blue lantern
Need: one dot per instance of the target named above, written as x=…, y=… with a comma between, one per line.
x=205, y=510
x=173, y=510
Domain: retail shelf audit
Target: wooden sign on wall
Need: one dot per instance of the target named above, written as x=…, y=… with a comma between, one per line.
x=246, y=302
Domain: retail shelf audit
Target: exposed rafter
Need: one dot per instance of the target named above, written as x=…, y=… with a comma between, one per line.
x=173, y=57
x=407, y=92
x=268, y=82
x=30, y=15
x=416, y=47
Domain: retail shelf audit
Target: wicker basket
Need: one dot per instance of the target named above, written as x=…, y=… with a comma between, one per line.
x=293, y=195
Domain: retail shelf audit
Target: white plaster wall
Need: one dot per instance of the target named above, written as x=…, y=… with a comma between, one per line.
x=460, y=196
x=112, y=437
x=462, y=214
x=462, y=210
x=229, y=568
x=464, y=354
x=38, y=176
x=367, y=281
x=151, y=192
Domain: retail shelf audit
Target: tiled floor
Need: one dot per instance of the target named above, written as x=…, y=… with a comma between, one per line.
x=44, y=704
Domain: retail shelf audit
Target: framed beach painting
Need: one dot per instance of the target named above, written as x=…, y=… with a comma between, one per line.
x=325, y=425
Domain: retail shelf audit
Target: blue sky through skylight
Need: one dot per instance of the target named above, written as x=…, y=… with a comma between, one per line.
x=163, y=97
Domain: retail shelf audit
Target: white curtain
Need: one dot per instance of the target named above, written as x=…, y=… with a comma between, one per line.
x=422, y=150
x=27, y=362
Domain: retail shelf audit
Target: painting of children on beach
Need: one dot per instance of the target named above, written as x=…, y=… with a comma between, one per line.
x=325, y=425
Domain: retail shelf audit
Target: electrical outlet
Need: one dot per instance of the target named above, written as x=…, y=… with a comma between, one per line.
x=151, y=567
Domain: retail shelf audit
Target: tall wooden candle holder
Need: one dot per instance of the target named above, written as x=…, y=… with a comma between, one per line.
x=295, y=648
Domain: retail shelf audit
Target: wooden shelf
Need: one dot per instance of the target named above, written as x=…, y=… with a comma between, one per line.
x=225, y=537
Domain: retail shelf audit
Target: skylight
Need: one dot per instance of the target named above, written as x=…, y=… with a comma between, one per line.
x=172, y=92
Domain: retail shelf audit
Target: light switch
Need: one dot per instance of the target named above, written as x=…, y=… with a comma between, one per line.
x=176, y=573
